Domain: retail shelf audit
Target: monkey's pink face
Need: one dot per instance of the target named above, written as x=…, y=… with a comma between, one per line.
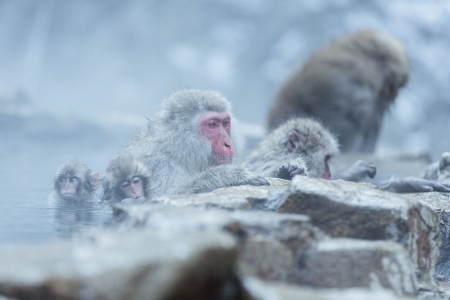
x=327, y=173
x=133, y=188
x=216, y=127
x=68, y=187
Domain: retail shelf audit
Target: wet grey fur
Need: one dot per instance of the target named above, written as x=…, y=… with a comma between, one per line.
x=310, y=144
x=74, y=168
x=125, y=167
x=178, y=156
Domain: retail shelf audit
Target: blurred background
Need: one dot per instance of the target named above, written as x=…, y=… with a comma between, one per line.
x=76, y=77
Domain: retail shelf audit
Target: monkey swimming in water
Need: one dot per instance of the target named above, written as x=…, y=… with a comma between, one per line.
x=75, y=182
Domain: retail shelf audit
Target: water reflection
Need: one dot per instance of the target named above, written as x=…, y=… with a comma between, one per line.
x=71, y=217
x=26, y=181
x=28, y=217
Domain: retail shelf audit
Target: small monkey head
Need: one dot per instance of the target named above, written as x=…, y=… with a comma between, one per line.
x=309, y=139
x=132, y=188
x=126, y=178
x=74, y=181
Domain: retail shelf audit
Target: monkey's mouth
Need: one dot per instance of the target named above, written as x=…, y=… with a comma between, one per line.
x=68, y=193
x=218, y=160
x=69, y=196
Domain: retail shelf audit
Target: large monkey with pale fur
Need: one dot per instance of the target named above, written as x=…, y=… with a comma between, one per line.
x=348, y=85
x=192, y=145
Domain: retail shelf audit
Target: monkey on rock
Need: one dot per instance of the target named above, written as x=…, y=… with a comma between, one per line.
x=192, y=145
x=302, y=146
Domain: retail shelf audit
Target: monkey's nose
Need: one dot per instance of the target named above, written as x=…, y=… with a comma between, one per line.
x=227, y=145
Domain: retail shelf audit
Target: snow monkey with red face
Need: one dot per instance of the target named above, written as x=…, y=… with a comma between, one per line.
x=192, y=145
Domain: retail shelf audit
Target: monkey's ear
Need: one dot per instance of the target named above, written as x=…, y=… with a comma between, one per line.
x=95, y=180
x=292, y=142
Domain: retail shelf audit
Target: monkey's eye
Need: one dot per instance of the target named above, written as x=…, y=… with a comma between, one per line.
x=61, y=179
x=136, y=180
x=73, y=180
x=125, y=184
x=212, y=124
x=226, y=122
x=327, y=158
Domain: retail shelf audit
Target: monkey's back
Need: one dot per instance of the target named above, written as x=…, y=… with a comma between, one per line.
x=346, y=87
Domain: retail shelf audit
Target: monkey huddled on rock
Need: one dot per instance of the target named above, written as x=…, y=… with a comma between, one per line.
x=189, y=147
x=305, y=143
x=348, y=85
x=192, y=145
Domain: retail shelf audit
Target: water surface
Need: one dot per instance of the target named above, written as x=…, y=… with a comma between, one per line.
x=26, y=181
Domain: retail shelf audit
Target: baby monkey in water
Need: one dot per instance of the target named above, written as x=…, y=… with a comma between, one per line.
x=126, y=178
x=75, y=182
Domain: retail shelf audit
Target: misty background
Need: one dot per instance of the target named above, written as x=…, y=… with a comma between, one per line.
x=76, y=77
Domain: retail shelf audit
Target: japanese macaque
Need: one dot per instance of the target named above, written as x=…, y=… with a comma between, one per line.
x=412, y=185
x=192, y=145
x=74, y=181
x=348, y=86
x=126, y=178
x=302, y=146
x=440, y=170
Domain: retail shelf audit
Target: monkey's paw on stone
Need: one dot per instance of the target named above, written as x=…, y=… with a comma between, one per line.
x=254, y=180
x=412, y=185
x=291, y=169
x=358, y=171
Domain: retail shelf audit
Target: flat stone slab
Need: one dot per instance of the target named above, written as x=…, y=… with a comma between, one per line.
x=347, y=263
x=270, y=243
x=358, y=210
x=440, y=203
x=231, y=198
x=262, y=290
x=127, y=265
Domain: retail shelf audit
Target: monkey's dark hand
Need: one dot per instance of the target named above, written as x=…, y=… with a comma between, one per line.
x=412, y=185
x=291, y=169
x=358, y=171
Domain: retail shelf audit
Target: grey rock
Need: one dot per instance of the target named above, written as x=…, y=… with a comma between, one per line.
x=262, y=290
x=270, y=244
x=286, y=247
x=243, y=197
x=347, y=263
x=346, y=209
x=128, y=265
x=440, y=203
